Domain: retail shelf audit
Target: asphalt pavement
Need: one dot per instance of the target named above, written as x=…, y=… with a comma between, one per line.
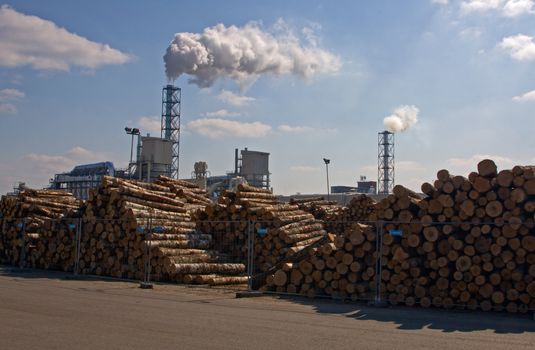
x=45, y=310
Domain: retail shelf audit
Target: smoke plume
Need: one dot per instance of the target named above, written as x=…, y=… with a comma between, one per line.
x=243, y=54
x=402, y=118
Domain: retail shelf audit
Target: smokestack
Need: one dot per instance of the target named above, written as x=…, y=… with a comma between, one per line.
x=403, y=118
x=385, y=163
x=236, y=162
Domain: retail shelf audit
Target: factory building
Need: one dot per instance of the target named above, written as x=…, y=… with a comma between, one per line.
x=363, y=186
x=155, y=159
x=83, y=178
x=249, y=166
x=253, y=166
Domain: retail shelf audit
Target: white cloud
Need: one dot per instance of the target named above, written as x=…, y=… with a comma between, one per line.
x=150, y=124
x=294, y=129
x=244, y=53
x=402, y=118
x=10, y=94
x=79, y=153
x=32, y=41
x=463, y=166
x=520, y=47
x=471, y=33
x=507, y=8
x=7, y=108
x=369, y=168
x=35, y=169
x=440, y=2
x=528, y=96
x=304, y=168
x=58, y=163
x=514, y=8
x=220, y=128
x=469, y=6
x=409, y=166
x=221, y=113
x=302, y=129
x=234, y=99
x=49, y=163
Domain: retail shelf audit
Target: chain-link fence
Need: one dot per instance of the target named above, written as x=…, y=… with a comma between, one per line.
x=143, y=249
x=449, y=264
x=307, y=260
x=461, y=265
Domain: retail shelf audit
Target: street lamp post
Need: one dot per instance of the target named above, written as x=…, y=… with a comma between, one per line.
x=327, y=161
x=133, y=132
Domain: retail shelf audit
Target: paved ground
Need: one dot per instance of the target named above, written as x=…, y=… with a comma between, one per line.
x=46, y=311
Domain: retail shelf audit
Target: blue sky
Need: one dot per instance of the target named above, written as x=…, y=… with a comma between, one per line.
x=467, y=66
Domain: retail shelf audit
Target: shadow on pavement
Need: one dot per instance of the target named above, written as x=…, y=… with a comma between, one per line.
x=406, y=318
x=412, y=318
x=17, y=272
x=31, y=273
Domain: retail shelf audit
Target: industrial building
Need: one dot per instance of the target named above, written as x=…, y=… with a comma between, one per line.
x=251, y=166
x=155, y=156
x=155, y=159
x=83, y=178
x=365, y=186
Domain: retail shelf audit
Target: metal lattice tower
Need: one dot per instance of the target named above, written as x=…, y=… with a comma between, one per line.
x=385, y=164
x=171, y=96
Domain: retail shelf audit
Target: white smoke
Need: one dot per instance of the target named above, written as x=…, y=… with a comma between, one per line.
x=242, y=54
x=402, y=118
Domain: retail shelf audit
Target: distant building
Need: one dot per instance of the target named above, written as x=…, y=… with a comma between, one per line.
x=155, y=159
x=251, y=166
x=367, y=187
x=254, y=167
x=343, y=189
x=83, y=178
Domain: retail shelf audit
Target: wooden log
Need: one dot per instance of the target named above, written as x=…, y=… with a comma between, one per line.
x=209, y=268
x=487, y=168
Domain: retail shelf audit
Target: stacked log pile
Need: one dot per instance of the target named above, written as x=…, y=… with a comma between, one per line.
x=56, y=247
x=403, y=272
x=287, y=228
x=29, y=215
x=196, y=198
x=465, y=243
x=116, y=241
x=319, y=207
x=468, y=244
x=361, y=208
x=342, y=269
x=330, y=212
x=229, y=218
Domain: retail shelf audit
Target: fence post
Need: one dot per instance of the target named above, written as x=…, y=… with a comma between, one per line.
x=22, y=256
x=250, y=248
x=146, y=284
x=2, y=237
x=78, y=243
x=378, y=262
